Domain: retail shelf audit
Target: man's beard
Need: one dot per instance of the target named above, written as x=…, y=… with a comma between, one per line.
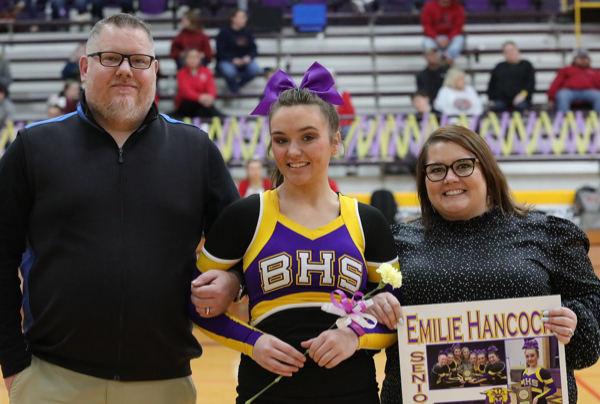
x=122, y=109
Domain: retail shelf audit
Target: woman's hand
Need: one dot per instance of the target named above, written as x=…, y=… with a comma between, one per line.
x=332, y=347
x=562, y=321
x=386, y=309
x=535, y=400
x=277, y=356
x=9, y=381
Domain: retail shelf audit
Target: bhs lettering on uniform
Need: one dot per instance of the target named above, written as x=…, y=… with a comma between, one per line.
x=277, y=271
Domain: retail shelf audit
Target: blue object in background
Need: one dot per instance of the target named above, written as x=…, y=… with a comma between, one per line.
x=309, y=17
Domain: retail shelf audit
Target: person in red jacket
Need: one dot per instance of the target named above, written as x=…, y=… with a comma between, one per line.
x=578, y=82
x=254, y=183
x=443, y=22
x=191, y=36
x=197, y=90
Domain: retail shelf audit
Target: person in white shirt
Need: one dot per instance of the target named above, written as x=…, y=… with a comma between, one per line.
x=456, y=97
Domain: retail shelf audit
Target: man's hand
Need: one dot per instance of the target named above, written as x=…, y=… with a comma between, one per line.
x=246, y=60
x=214, y=291
x=386, y=309
x=237, y=61
x=277, y=356
x=9, y=381
x=206, y=99
x=332, y=347
x=519, y=98
x=442, y=42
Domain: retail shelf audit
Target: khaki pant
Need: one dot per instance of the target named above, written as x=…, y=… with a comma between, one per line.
x=45, y=383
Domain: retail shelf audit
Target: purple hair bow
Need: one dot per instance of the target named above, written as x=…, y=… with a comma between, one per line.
x=317, y=79
x=456, y=346
x=532, y=343
x=492, y=348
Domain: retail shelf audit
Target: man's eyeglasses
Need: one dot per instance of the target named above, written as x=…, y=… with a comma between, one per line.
x=114, y=59
x=462, y=168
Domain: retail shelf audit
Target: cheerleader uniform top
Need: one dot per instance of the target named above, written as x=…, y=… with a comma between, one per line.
x=537, y=380
x=287, y=266
x=495, y=373
x=437, y=376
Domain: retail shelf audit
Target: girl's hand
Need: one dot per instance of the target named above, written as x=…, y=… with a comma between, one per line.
x=332, y=347
x=386, y=309
x=562, y=321
x=277, y=356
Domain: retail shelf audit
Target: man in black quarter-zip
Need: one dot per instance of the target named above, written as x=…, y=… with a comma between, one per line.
x=111, y=202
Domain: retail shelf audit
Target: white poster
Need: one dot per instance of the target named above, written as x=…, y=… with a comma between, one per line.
x=482, y=352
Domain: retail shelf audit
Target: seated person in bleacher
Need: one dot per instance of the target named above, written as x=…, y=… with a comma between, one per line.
x=422, y=104
x=197, y=90
x=236, y=51
x=7, y=108
x=512, y=82
x=443, y=22
x=432, y=77
x=71, y=69
x=5, y=76
x=456, y=97
x=578, y=82
x=191, y=36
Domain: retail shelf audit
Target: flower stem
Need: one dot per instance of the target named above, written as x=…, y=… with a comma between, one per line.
x=263, y=390
x=379, y=286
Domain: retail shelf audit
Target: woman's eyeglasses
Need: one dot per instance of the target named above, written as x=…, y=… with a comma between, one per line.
x=462, y=168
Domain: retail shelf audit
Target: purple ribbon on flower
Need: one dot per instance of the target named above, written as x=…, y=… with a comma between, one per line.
x=317, y=79
x=532, y=343
x=351, y=310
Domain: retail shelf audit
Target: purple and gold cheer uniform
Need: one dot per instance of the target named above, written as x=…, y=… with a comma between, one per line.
x=290, y=271
x=537, y=381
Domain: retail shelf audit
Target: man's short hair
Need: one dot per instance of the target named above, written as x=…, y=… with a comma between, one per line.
x=3, y=89
x=509, y=43
x=234, y=12
x=419, y=93
x=120, y=20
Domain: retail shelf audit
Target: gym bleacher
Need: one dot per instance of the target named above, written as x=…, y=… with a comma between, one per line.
x=375, y=58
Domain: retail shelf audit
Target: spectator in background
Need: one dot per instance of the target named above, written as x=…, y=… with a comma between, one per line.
x=191, y=36
x=578, y=82
x=7, y=108
x=197, y=90
x=443, y=22
x=432, y=77
x=422, y=103
x=512, y=82
x=71, y=69
x=236, y=51
x=254, y=183
x=71, y=92
x=53, y=111
x=344, y=110
x=456, y=97
x=5, y=76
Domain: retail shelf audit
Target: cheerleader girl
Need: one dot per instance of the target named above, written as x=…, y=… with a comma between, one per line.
x=536, y=376
x=299, y=244
x=495, y=372
x=439, y=372
x=456, y=350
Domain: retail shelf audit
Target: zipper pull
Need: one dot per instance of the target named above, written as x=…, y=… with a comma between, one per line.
x=120, y=155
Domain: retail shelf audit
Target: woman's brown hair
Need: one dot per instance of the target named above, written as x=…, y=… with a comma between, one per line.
x=498, y=192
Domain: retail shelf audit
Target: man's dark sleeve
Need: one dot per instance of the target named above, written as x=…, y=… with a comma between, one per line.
x=224, y=52
x=253, y=48
x=222, y=191
x=530, y=85
x=15, y=206
x=493, y=93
